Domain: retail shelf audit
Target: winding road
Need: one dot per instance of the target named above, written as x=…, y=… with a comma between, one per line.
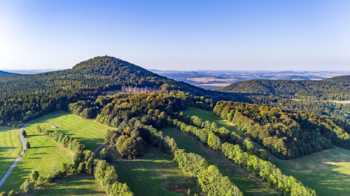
x=22, y=153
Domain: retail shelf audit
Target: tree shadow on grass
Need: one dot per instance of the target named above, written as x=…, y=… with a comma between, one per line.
x=154, y=174
x=74, y=185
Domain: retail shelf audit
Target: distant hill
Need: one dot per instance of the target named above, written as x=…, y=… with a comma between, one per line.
x=29, y=71
x=24, y=97
x=337, y=88
x=3, y=73
x=293, y=77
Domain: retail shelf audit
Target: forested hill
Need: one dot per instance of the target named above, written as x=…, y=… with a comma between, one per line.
x=337, y=88
x=24, y=97
x=3, y=73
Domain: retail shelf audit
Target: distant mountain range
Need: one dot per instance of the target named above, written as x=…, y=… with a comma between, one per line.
x=29, y=71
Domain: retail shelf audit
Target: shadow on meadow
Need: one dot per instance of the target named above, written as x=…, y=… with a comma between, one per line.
x=328, y=171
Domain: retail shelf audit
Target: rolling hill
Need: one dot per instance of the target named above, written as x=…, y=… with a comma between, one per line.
x=3, y=73
x=25, y=97
x=337, y=88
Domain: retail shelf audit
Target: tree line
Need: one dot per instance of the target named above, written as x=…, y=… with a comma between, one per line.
x=245, y=155
x=83, y=162
x=285, y=133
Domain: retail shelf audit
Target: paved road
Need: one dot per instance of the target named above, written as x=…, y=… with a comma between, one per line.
x=96, y=148
x=22, y=153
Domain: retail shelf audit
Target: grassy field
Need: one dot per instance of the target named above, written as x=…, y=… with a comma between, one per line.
x=10, y=148
x=73, y=186
x=240, y=178
x=328, y=172
x=90, y=133
x=210, y=116
x=43, y=156
x=154, y=174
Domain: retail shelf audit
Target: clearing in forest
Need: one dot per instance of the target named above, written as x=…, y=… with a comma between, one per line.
x=210, y=116
x=328, y=171
x=73, y=186
x=88, y=132
x=155, y=173
x=245, y=182
x=44, y=156
x=10, y=148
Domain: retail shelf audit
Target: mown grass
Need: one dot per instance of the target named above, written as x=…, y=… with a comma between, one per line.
x=240, y=178
x=10, y=148
x=73, y=186
x=43, y=156
x=88, y=132
x=328, y=171
x=154, y=174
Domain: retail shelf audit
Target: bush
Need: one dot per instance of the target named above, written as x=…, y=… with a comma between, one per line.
x=28, y=145
x=34, y=176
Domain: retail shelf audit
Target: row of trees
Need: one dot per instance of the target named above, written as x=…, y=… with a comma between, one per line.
x=209, y=178
x=211, y=185
x=246, y=158
x=285, y=133
x=83, y=162
x=211, y=135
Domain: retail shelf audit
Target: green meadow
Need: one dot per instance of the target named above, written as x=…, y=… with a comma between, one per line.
x=88, y=132
x=10, y=148
x=73, y=186
x=43, y=156
x=154, y=174
x=210, y=116
x=246, y=183
x=328, y=171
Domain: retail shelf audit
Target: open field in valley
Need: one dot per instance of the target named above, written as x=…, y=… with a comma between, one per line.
x=73, y=186
x=246, y=183
x=90, y=133
x=328, y=171
x=154, y=174
x=43, y=156
x=10, y=148
x=210, y=116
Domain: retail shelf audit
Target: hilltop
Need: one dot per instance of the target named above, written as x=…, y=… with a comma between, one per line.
x=25, y=97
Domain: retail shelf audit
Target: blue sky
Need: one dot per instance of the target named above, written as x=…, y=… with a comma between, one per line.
x=178, y=34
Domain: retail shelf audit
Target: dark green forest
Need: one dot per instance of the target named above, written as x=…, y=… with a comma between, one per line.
x=286, y=133
x=26, y=97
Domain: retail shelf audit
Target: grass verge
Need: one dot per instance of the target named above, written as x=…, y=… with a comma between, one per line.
x=10, y=148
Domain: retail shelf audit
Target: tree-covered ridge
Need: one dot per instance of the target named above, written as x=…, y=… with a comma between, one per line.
x=285, y=133
x=4, y=73
x=337, y=88
x=25, y=97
